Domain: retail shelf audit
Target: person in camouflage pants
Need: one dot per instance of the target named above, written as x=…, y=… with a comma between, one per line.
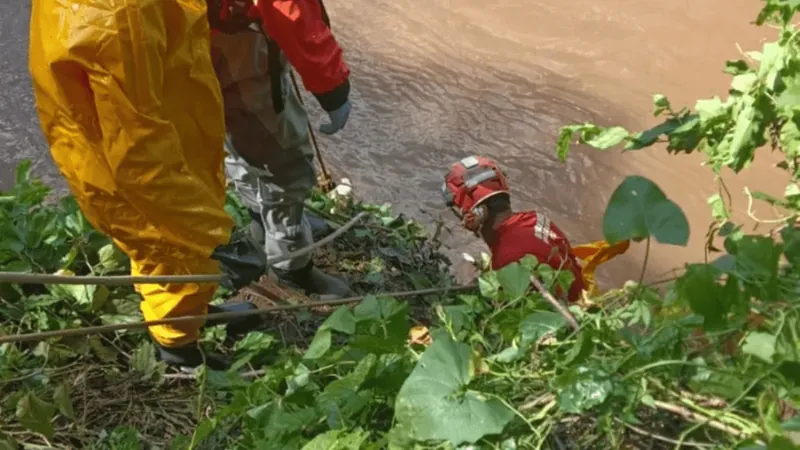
x=269, y=157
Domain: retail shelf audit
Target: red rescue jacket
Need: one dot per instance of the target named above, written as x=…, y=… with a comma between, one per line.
x=299, y=28
x=527, y=233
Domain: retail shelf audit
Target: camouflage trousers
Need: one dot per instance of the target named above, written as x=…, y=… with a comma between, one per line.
x=276, y=190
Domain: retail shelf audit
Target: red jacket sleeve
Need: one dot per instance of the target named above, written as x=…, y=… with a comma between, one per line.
x=298, y=28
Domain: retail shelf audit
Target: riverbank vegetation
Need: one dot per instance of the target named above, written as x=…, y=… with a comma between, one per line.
x=710, y=359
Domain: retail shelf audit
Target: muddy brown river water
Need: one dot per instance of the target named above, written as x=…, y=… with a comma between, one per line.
x=437, y=80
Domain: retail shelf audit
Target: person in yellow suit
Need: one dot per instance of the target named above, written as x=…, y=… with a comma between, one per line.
x=131, y=108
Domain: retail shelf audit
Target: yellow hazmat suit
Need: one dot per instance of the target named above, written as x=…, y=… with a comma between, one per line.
x=131, y=108
x=593, y=255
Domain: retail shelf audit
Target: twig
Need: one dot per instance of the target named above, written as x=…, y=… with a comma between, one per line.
x=552, y=300
x=36, y=278
x=661, y=438
x=752, y=214
x=695, y=417
x=193, y=376
x=224, y=316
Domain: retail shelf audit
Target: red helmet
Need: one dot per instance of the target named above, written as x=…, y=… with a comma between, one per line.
x=471, y=181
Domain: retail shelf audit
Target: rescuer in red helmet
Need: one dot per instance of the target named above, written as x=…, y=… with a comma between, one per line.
x=477, y=191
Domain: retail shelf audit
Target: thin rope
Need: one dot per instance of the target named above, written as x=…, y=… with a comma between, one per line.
x=224, y=316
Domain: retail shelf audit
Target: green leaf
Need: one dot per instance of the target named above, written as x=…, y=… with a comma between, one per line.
x=8, y=443
x=61, y=397
x=639, y=209
x=648, y=137
x=23, y=173
x=744, y=134
x=319, y=345
x=143, y=361
x=564, y=139
x=381, y=325
x=109, y=258
x=338, y=440
x=744, y=82
x=582, y=389
x=790, y=97
x=781, y=443
x=760, y=345
x=254, y=341
x=687, y=136
x=772, y=61
x=598, y=137
x=300, y=379
x=343, y=398
x=204, y=429
x=608, y=138
x=342, y=320
x=698, y=287
x=717, y=384
x=514, y=279
x=582, y=349
x=91, y=297
x=457, y=316
x=36, y=414
x=101, y=351
x=757, y=259
x=660, y=104
x=122, y=438
x=538, y=324
x=791, y=245
x=709, y=110
x=718, y=209
x=489, y=285
x=736, y=67
x=507, y=355
x=436, y=404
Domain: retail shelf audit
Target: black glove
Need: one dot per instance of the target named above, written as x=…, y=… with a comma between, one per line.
x=241, y=260
x=337, y=104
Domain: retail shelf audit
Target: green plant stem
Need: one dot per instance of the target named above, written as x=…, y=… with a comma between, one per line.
x=741, y=396
x=673, y=362
x=726, y=417
x=646, y=258
x=200, y=397
x=661, y=438
x=518, y=414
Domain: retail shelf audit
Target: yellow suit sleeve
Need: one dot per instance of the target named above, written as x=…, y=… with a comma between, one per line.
x=594, y=254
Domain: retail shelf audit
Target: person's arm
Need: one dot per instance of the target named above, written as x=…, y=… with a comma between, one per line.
x=299, y=29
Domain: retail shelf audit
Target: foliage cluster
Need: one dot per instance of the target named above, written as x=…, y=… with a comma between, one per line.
x=709, y=360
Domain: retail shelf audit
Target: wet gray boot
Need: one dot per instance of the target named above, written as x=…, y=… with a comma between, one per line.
x=315, y=282
x=310, y=279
